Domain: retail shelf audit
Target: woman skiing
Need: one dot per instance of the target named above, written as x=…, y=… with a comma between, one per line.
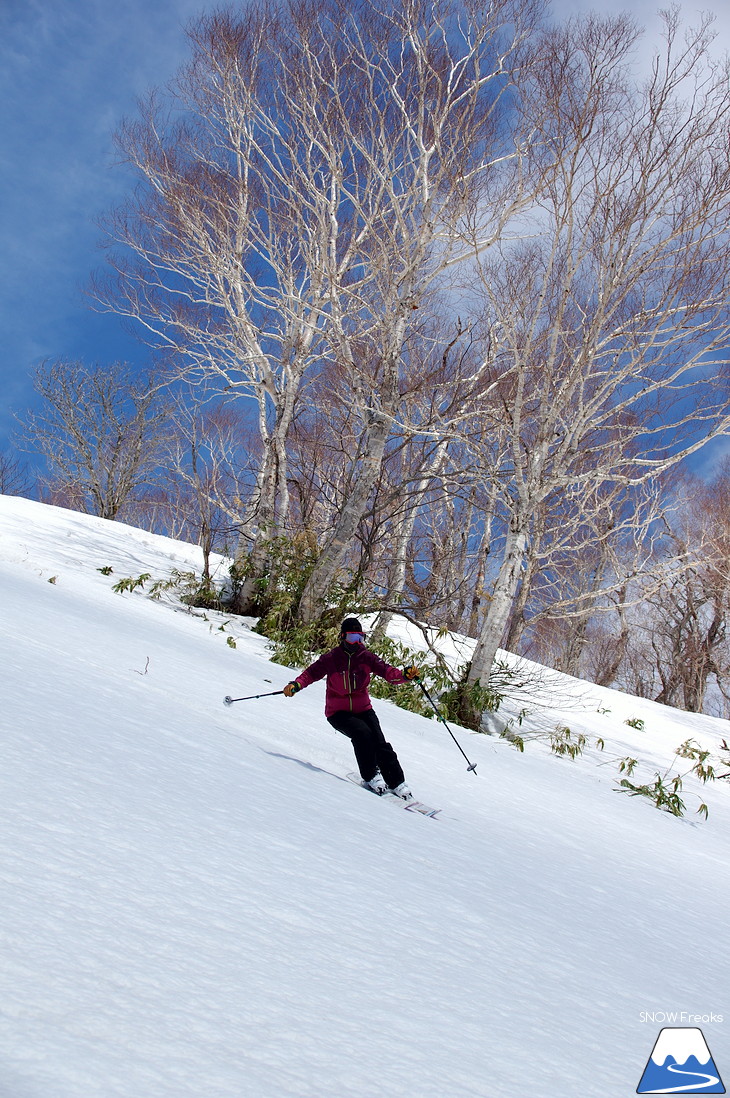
x=348, y=707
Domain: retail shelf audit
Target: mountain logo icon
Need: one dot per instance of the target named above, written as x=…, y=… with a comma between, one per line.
x=680, y=1063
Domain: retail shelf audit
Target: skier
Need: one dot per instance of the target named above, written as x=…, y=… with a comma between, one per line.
x=348, y=707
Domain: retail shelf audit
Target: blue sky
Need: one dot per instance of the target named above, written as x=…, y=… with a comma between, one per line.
x=69, y=72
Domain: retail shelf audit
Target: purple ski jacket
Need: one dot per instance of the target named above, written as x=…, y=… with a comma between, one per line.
x=348, y=677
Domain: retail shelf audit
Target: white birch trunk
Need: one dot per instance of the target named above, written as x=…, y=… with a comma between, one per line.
x=500, y=606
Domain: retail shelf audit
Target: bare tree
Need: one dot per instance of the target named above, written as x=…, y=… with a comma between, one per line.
x=438, y=177
x=318, y=167
x=582, y=561
x=207, y=477
x=229, y=251
x=15, y=478
x=686, y=627
x=613, y=321
x=100, y=431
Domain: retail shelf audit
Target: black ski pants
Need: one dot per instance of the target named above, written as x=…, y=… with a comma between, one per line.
x=371, y=748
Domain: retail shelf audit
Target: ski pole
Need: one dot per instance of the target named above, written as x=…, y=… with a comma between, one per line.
x=471, y=766
x=228, y=700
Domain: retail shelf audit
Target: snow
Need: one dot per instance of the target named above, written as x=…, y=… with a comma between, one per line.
x=196, y=903
x=681, y=1043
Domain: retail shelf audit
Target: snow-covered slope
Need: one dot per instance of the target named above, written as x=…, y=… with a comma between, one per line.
x=195, y=902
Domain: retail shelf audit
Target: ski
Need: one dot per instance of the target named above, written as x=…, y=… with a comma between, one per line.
x=410, y=806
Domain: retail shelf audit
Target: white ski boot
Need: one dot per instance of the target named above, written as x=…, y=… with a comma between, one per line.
x=377, y=784
x=403, y=791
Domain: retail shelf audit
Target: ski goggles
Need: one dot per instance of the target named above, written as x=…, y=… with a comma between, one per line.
x=355, y=638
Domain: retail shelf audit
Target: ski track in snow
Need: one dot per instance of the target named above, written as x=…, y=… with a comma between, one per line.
x=198, y=904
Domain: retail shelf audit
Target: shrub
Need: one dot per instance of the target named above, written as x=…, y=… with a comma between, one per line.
x=665, y=789
x=563, y=742
x=289, y=565
x=130, y=584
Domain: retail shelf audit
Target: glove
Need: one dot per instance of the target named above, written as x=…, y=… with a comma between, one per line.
x=410, y=673
x=291, y=689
